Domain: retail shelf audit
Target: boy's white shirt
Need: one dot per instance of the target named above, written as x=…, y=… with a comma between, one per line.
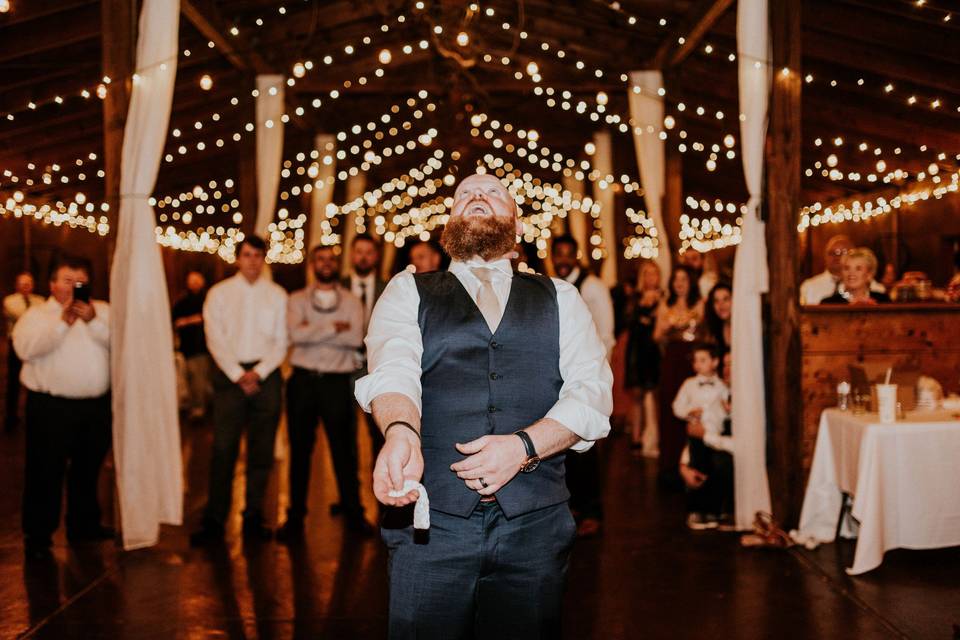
x=708, y=393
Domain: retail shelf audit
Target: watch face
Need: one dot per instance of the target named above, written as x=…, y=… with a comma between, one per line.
x=532, y=463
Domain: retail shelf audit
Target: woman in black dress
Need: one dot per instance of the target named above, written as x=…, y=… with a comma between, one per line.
x=678, y=326
x=642, y=369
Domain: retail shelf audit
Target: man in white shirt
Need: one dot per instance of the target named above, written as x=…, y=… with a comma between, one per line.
x=65, y=347
x=823, y=285
x=325, y=323
x=481, y=379
x=245, y=324
x=583, y=471
x=14, y=306
x=364, y=282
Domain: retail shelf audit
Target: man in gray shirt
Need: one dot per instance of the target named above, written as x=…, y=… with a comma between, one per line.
x=325, y=322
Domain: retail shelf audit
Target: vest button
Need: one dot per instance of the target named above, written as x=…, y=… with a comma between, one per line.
x=494, y=376
x=491, y=409
x=495, y=345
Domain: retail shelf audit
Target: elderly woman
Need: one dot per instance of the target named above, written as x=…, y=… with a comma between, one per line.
x=859, y=268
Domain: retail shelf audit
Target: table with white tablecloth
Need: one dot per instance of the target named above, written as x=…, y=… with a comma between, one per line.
x=904, y=480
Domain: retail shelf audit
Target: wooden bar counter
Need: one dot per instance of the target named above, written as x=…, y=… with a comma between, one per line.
x=914, y=338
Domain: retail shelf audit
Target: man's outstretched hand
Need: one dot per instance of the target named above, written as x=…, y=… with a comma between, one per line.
x=400, y=459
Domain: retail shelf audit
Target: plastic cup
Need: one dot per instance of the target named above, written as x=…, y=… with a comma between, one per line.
x=887, y=402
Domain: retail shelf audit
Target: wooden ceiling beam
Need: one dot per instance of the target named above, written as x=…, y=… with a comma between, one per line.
x=21, y=12
x=54, y=31
x=700, y=21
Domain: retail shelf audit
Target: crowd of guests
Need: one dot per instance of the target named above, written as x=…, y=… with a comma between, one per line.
x=233, y=338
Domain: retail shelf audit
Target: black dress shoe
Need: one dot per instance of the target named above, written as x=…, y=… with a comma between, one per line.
x=208, y=536
x=97, y=534
x=358, y=525
x=254, y=531
x=291, y=531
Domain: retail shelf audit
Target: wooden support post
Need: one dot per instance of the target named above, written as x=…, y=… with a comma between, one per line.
x=785, y=403
x=119, y=36
x=672, y=201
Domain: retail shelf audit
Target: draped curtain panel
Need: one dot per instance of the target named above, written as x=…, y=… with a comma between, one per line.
x=577, y=221
x=646, y=111
x=269, y=109
x=322, y=194
x=603, y=162
x=146, y=437
x=752, y=491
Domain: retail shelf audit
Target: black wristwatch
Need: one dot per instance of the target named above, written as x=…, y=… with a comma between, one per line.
x=533, y=460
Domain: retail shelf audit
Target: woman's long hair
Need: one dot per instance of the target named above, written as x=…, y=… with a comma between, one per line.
x=713, y=321
x=693, y=295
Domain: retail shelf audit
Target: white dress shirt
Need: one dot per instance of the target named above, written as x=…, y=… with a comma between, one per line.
x=15, y=305
x=364, y=287
x=395, y=346
x=814, y=290
x=70, y=361
x=707, y=393
x=597, y=296
x=316, y=343
x=245, y=323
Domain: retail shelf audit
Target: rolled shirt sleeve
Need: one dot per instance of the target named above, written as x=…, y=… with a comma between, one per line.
x=586, y=397
x=394, y=345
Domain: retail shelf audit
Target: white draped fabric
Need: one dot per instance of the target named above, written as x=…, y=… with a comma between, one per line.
x=752, y=492
x=146, y=437
x=603, y=162
x=646, y=111
x=269, y=109
x=577, y=220
x=322, y=194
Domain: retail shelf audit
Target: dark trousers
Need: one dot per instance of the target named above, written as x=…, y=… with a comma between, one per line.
x=311, y=397
x=13, y=387
x=232, y=411
x=583, y=481
x=69, y=438
x=480, y=577
x=715, y=495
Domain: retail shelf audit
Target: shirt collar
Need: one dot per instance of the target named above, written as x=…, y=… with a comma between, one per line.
x=367, y=279
x=500, y=265
x=573, y=275
x=246, y=283
x=713, y=378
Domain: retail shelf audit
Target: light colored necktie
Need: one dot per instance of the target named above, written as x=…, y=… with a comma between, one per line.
x=487, y=300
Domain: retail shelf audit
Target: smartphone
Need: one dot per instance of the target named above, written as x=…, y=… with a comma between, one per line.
x=81, y=292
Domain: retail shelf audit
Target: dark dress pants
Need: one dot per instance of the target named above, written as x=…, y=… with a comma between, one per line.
x=65, y=438
x=584, y=483
x=14, y=365
x=312, y=396
x=232, y=411
x=485, y=576
x=715, y=495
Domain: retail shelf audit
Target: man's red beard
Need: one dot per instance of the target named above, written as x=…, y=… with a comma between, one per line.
x=489, y=237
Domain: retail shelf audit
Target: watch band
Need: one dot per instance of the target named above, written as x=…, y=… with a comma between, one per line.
x=527, y=443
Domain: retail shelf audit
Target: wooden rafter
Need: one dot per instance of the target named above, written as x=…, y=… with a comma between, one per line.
x=702, y=19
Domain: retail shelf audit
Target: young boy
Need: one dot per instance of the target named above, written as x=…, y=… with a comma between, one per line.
x=706, y=467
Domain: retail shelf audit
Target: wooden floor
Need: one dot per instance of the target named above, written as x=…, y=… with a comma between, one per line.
x=646, y=577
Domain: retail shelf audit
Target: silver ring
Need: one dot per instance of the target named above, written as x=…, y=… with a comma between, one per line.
x=483, y=484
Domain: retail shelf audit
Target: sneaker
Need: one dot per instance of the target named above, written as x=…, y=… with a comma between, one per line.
x=700, y=522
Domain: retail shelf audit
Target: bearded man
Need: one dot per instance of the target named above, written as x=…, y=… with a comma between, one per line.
x=481, y=379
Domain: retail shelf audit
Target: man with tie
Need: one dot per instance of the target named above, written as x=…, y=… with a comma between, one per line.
x=481, y=379
x=14, y=306
x=245, y=324
x=364, y=282
x=325, y=323
x=64, y=343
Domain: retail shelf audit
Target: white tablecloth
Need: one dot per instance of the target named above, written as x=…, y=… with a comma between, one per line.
x=904, y=479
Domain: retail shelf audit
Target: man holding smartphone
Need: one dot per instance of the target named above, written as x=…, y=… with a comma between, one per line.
x=65, y=347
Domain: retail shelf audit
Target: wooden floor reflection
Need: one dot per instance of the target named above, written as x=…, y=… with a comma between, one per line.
x=646, y=577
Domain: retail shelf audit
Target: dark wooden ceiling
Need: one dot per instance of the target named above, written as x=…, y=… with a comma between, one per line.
x=865, y=59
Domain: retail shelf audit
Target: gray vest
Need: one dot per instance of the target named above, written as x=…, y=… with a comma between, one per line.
x=476, y=383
